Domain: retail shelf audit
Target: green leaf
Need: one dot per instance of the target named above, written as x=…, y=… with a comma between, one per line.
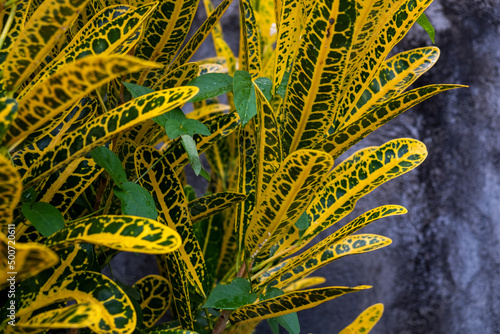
x=44, y=217
x=190, y=146
x=137, y=90
x=303, y=222
x=176, y=124
x=136, y=201
x=190, y=193
x=211, y=85
x=245, y=99
x=108, y=160
x=29, y=196
x=288, y=321
x=424, y=22
x=232, y=296
x=266, y=86
x=173, y=128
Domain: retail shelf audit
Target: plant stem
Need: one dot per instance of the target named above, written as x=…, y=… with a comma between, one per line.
x=7, y=25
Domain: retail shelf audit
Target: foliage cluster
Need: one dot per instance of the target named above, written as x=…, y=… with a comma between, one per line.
x=94, y=144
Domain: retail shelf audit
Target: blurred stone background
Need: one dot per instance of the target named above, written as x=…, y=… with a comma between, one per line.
x=442, y=272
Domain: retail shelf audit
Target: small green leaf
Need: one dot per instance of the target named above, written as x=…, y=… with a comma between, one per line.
x=266, y=86
x=108, y=160
x=232, y=296
x=288, y=321
x=44, y=217
x=176, y=124
x=244, y=96
x=173, y=128
x=303, y=222
x=424, y=22
x=190, y=193
x=190, y=146
x=136, y=201
x=193, y=126
x=211, y=85
x=137, y=90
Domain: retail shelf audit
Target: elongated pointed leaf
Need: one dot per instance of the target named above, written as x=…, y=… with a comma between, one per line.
x=155, y=298
x=318, y=71
x=250, y=54
x=162, y=182
x=347, y=136
x=210, y=205
x=117, y=311
x=289, y=303
x=73, y=316
x=30, y=258
x=65, y=87
x=37, y=38
x=103, y=128
x=285, y=198
x=195, y=42
x=178, y=76
x=10, y=191
x=365, y=322
x=125, y=233
x=8, y=111
x=340, y=195
x=305, y=263
x=18, y=23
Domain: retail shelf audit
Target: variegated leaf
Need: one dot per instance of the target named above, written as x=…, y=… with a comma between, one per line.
x=19, y=11
x=195, y=42
x=125, y=233
x=305, y=283
x=365, y=322
x=289, y=265
x=343, y=190
x=250, y=56
x=155, y=298
x=160, y=179
x=167, y=30
x=117, y=311
x=8, y=111
x=318, y=71
x=102, y=129
x=39, y=35
x=22, y=260
x=10, y=191
x=210, y=205
x=178, y=76
x=289, y=303
x=60, y=90
x=286, y=197
x=98, y=40
x=74, y=316
x=350, y=134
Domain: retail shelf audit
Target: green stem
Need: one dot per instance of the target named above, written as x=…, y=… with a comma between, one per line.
x=85, y=217
x=154, y=164
x=101, y=101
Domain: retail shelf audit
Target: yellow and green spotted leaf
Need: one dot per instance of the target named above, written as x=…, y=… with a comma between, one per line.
x=250, y=54
x=350, y=134
x=286, y=197
x=8, y=111
x=365, y=322
x=317, y=74
x=30, y=258
x=199, y=36
x=345, y=186
x=305, y=283
x=178, y=76
x=160, y=179
x=289, y=303
x=125, y=233
x=39, y=35
x=393, y=77
x=210, y=205
x=268, y=143
x=104, y=128
x=371, y=45
x=72, y=82
x=75, y=316
x=98, y=40
x=10, y=191
x=301, y=265
x=288, y=35
x=116, y=309
x=18, y=22
x=167, y=28
x=155, y=297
